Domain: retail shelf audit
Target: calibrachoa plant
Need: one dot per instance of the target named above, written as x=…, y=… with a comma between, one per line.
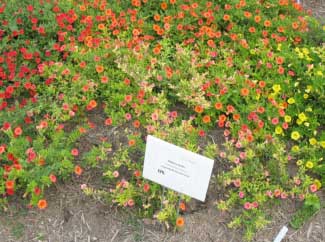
x=174, y=69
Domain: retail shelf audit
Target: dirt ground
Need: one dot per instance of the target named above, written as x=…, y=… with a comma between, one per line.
x=73, y=217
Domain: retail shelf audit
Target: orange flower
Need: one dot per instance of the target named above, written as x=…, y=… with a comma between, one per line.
x=218, y=106
x=182, y=206
x=236, y=116
x=267, y=23
x=198, y=109
x=78, y=170
x=250, y=138
x=131, y=142
x=108, y=12
x=101, y=26
x=295, y=25
x=226, y=17
x=244, y=92
x=222, y=118
x=257, y=19
x=279, y=60
x=251, y=29
x=136, y=123
x=180, y=222
x=92, y=104
x=206, y=119
x=136, y=3
x=136, y=32
x=160, y=32
x=156, y=17
x=99, y=68
x=163, y=5
x=41, y=162
x=42, y=204
x=247, y=14
x=156, y=50
x=82, y=8
x=283, y=2
x=10, y=184
x=211, y=43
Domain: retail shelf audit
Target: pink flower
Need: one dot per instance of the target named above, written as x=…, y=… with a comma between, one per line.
x=255, y=204
x=242, y=155
x=297, y=181
x=116, y=174
x=247, y=205
x=238, y=145
x=173, y=114
x=301, y=197
x=241, y=194
x=150, y=129
x=313, y=188
x=237, y=160
x=128, y=116
x=131, y=202
x=285, y=125
x=75, y=152
x=237, y=183
x=284, y=195
x=154, y=116
x=275, y=121
x=269, y=193
x=2, y=148
x=71, y=113
x=83, y=186
x=223, y=154
x=226, y=132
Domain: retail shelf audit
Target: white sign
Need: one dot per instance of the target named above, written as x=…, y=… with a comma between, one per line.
x=281, y=234
x=176, y=168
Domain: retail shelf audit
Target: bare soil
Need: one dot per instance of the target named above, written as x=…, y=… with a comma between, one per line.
x=73, y=217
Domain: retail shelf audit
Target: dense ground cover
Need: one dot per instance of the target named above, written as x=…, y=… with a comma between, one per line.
x=177, y=70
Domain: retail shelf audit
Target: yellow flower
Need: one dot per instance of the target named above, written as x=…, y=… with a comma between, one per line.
x=306, y=124
x=322, y=143
x=319, y=73
x=299, y=162
x=309, y=164
x=302, y=117
x=287, y=118
x=295, y=148
x=295, y=135
x=306, y=96
x=305, y=51
x=299, y=121
x=291, y=100
x=278, y=130
x=312, y=141
x=276, y=88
